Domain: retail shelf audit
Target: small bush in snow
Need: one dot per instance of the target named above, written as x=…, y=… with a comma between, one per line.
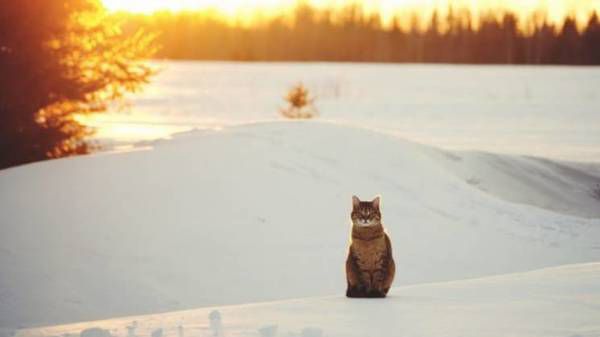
x=300, y=103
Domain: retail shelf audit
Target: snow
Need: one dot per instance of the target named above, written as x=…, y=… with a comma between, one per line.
x=526, y=180
x=545, y=111
x=259, y=212
x=561, y=301
x=95, y=332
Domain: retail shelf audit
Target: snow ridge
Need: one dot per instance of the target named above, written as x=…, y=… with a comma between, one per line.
x=260, y=212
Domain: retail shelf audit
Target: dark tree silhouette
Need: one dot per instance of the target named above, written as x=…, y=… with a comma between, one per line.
x=568, y=48
x=591, y=41
x=59, y=58
x=352, y=34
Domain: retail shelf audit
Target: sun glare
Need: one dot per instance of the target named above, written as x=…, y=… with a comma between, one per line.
x=230, y=7
x=128, y=128
x=556, y=10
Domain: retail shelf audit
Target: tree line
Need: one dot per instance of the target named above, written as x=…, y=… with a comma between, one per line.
x=351, y=34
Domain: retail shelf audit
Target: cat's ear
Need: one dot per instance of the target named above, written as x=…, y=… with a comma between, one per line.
x=355, y=201
x=376, y=202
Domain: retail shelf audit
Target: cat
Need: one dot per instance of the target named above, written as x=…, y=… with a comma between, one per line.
x=370, y=266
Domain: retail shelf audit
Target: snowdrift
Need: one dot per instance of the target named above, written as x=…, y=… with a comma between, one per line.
x=260, y=212
x=571, y=188
x=560, y=301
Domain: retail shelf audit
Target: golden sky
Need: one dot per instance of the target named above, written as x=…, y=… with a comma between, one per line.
x=556, y=9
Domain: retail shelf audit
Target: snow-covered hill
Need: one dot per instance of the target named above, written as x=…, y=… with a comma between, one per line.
x=260, y=212
x=549, y=111
x=560, y=301
x=571, y=188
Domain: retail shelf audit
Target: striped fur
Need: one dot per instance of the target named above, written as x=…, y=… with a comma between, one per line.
x=370, y=265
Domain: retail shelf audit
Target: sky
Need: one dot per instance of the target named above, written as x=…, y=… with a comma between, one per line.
x=555, y=9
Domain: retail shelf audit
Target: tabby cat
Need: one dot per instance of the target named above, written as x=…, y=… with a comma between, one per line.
x=370, y=266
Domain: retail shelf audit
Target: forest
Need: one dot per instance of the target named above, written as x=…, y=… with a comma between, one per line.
x=351, y=34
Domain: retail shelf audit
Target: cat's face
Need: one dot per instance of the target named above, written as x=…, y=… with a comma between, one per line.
x=365, y=213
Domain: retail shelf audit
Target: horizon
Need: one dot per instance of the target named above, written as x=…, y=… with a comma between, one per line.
x=251, y=13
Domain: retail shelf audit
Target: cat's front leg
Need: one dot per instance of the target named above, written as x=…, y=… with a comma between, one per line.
x=353, y=278
x=377, y=289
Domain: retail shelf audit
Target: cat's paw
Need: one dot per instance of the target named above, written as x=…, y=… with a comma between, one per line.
x=374, y=293
x=355, y=292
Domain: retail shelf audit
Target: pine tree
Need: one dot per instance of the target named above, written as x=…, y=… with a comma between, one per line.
x=60, y=58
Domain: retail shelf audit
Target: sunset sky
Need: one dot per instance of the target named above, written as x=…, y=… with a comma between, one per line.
x=241, y=9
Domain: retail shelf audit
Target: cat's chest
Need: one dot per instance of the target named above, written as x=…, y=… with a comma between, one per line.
x=369, y=254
